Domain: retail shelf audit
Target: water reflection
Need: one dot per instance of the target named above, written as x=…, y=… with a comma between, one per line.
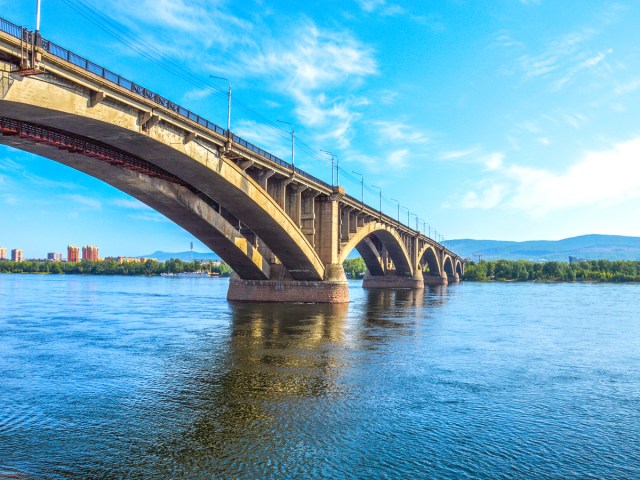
x=388, y=314
x=245, y=412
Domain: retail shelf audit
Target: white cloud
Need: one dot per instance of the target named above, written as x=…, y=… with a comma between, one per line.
x=149, y=217
x=600, y=178
x=398, y=158
x=381, y=7
x=628, y=87
x=10, y=199
x=84, y=201
x=399, y=132
x=485, y=197
x=493, y=161
x=130, y=203
x=455, y=154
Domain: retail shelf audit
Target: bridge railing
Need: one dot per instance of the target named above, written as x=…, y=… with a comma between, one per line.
x=11, y=28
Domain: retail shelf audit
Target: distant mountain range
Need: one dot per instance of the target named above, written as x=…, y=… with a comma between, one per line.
x=184, y=256
x=589, y=247
x=607, y=247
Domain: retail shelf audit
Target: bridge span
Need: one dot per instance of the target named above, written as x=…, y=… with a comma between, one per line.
x=284, y=232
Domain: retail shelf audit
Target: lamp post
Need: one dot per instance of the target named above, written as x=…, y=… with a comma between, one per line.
x=362, y=187
x=228, y=104
x=398, y=203
x=293, y=148
x=408, y=215
x=380, y=200
x=332, y=159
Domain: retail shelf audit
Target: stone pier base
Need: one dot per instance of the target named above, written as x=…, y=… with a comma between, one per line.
x=392, y=282
x=287, y=291
x=435, y=280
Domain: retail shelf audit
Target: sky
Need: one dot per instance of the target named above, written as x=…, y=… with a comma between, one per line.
x=506, y=120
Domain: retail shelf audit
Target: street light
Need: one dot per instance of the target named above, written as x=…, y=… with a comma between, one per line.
x=394, y=200
x=228, y=104
x=362, y=187
x=380, y=197
x=333, y=157
x=293, y=149
x=408, y=216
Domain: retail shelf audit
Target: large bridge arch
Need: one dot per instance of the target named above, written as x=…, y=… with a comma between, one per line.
x=429, y=256
x=126, y=124
x=389, y=238
x=459, y=268
x=448, y=267
x=152, y=187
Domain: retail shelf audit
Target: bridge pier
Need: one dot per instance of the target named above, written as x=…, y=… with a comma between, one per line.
x=436, y=279
x=392, y=281
x=334, y=289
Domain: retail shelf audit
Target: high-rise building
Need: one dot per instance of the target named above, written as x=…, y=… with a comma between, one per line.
x=3, y=253
x=90, y=252
x=73, y=253
x=17, y=255
x=56, y=257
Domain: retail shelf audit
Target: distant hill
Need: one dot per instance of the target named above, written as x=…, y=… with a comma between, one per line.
x=589, y=247
x=185, y=256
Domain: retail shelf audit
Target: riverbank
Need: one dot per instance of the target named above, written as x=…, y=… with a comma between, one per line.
x=595, y=271
x=149, y=267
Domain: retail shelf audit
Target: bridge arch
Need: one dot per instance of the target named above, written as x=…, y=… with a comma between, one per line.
x=53, y=103
x=150, y=186
x=448, y=266
x=429, y=256
x=391, y=240
x=459, y=268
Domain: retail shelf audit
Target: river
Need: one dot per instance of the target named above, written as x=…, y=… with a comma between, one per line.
x=160, y=377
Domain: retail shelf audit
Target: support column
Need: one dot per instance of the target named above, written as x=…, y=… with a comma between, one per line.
x=321, y=217
x=294, y=203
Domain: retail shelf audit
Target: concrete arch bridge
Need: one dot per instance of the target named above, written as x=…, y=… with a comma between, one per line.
x=284, y=232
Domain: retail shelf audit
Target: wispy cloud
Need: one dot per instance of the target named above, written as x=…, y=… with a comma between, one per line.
x=10, y=199
x=486, y=195
x=83, y=201
x=381, y=7
x=149, y=217
x=130, y=204
x=455, y=154
x=399, y=132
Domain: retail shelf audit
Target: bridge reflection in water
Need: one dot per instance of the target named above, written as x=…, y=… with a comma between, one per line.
x=285, y=367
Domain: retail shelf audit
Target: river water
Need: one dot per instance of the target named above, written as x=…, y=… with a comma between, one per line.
x=118, y=377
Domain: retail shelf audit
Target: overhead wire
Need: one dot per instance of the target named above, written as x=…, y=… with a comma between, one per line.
x=150, y=52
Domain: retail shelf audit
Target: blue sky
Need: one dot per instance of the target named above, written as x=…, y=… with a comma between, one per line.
x=509, y=119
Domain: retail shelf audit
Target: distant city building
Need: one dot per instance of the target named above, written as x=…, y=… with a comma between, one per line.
x=73, y=253
x=90, y=252
x=3, y=253
x=56, y=257
x=573, y=260
x=126, y=259
x=17, y=255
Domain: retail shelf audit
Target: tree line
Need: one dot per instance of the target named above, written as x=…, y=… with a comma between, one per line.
x=112, y=267
x=585, y=270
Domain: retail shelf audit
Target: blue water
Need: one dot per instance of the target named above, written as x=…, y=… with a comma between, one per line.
x=121, y=377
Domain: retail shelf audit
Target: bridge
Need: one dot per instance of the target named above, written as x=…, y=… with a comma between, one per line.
x=284, y=232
